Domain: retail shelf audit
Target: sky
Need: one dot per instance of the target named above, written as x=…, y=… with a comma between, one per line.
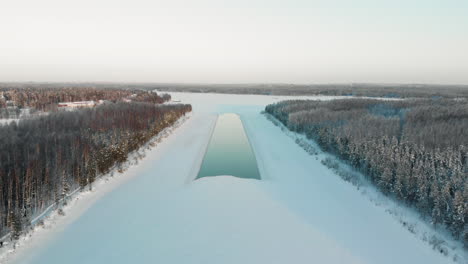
x=235, y=41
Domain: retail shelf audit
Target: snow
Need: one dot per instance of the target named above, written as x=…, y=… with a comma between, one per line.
x=7, y=121
x=300, y=212
x=25, y=114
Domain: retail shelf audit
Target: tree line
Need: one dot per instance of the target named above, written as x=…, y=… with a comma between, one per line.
x=43, y=159
x=352, y=89
x=413, y=150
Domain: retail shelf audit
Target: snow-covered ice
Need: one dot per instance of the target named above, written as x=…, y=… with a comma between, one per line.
x=300, y=212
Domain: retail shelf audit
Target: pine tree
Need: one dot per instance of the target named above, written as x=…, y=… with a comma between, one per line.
x=65, y=188
x=422, y=195
x=437, y=204
x=460, y=214
x=386, y=180
x=447, y=203
x=16, y=226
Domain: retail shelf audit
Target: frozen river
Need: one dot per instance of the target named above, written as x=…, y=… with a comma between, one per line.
x=299, y=212
x=229, y=151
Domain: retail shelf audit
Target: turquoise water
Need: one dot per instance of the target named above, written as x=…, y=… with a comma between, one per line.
x=229, y=151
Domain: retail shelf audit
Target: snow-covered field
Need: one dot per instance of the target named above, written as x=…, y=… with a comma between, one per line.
x=300, y=212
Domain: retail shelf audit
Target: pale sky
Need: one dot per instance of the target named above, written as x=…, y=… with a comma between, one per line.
x=235, y=41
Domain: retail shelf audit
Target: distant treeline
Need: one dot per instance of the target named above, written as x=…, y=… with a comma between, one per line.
x=414, y=150
x=352, y=89
x=43, y=159
x=45, y=99
x=367, y=90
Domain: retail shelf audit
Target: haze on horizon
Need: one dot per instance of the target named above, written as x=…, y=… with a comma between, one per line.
x=207, y=41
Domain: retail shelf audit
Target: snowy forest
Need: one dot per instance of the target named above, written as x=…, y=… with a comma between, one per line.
x=45, y=99
x=43, y=159
x=413, y=150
